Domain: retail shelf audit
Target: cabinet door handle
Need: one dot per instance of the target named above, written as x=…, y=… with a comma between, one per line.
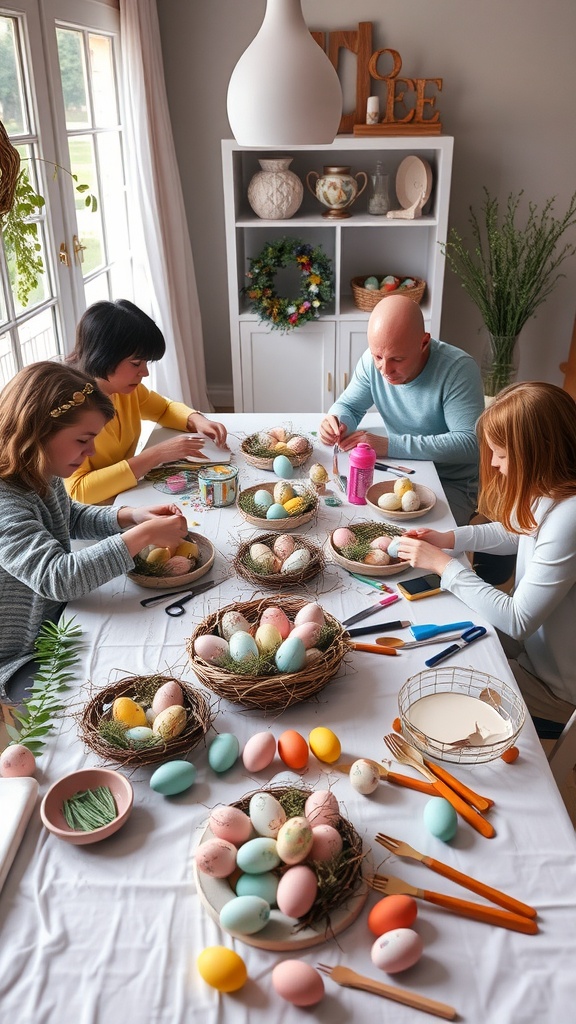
x=345, y=380
x=329, y=383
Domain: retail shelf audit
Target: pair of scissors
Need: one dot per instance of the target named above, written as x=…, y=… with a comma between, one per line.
x=177, y=607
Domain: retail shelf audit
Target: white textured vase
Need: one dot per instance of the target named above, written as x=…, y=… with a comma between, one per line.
x=284, y=90
x=275, y=192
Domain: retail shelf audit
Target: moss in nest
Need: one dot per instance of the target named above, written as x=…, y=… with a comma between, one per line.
x=144, y=568
x=253, y=665
x=115, y=734
x=146, y=687
x=254, y=447
x=356, y=552
x=293, y=802
x=248, y=505
x=260, y=568
x=327, y=634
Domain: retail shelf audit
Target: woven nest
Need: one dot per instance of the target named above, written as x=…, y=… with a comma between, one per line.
x=142, y=688
x=274, y=691
x=9, y=170
x=244, y=566
x=352, y=556
x=261, y=456
x=257, y=516
x=367, y=298
x=338, y=879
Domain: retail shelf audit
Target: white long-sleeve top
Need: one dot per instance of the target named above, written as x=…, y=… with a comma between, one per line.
x=541, y=612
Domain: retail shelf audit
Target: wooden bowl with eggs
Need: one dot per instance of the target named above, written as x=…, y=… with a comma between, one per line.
x=425, y=495
x=263, y=685
x=277, y=561
x=304, y=509
x=350, y=545
x=260, y=449
x=157, y=579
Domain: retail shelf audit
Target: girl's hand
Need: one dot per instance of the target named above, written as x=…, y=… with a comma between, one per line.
x=435, y=537
x=422, y=555
x=143, y=515
x=163, y=531
x=216, y=431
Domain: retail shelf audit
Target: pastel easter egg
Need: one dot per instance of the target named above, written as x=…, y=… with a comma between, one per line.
x=318, y=474
x=324, y=744
x=230, y=823
x=139, y=734
x=321, y=808
x=167, y=696
x=282, y=448
x=395, y=911
x=233, y=621
x=402, y=485
x=262, y=556
x=389, y=502
x=216, y=857
x=258, y=855
x=371, y=284
x=383, y=543
x=293, y=749
x=278, y=433
x=297, y=444
x=210, y=648
x=259, y=751
x=309, y=613
x=266, y=814
x=364, y=776
x=173, y=777
x=284, y=545
x=277, y=511
x=171, y=722
x=267, y=638
x=263, y=498
x=297, y=561
x=393, y=547
x=410, y=502
x=242, y=645
x=326, y=843
x=223, y=752
x=298, y=983
x=295, y=506
x=264, y=885
x=396, y=950
x=17, y=762
x=377, y=557
x=440, y=818
x=283, y=467
x=222, y=968
x=246, y=915
x=283, y=491
x=291, y=655
x=342, y=537
x=128, y=712
x=275, y=616
x=294, y=840
x=297, y=891
x=308, y=632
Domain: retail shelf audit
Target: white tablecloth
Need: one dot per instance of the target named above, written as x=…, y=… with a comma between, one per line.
x=110, y=933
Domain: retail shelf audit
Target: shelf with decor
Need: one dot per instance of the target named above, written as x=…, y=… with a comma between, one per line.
x=357, y=245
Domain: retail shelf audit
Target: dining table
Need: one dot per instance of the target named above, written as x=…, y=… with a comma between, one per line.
x=111, y=932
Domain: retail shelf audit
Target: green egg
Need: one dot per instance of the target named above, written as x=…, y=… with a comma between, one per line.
x=371, y=283
x=440, y=818
x=283, y=467
x=263, y=498
x=265, y=886
x=276, y=511
x=173, y=777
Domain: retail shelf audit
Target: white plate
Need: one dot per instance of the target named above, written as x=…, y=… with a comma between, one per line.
x=413, y=177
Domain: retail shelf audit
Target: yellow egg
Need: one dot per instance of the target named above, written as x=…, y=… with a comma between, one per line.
x=318, y=474
x=294, y=506
x=282, y=448
x=283, y=491
x=188, y=548
x=268, y=638
x=128, y=712
x=170, y=722
x=402, y=485
x=222, y=968
x=389, y=501
x=324, y=744
x=158, y=556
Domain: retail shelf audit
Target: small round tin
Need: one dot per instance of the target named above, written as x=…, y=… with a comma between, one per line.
x=218, y=485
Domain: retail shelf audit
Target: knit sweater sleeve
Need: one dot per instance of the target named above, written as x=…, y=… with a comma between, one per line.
x=357, y=398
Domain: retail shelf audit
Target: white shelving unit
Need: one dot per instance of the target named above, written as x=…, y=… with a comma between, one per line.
x=306, y=369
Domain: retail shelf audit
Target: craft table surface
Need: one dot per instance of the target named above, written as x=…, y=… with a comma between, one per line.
x=110, y=933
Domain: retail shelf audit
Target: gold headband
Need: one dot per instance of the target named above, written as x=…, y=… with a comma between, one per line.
x=77, y=399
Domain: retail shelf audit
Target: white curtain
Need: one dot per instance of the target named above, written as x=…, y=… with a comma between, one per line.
x=165, y=281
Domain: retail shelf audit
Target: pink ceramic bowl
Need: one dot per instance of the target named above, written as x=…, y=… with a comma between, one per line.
x=88, y=778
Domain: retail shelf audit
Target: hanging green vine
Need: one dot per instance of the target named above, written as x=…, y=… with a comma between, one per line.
x=57, y=651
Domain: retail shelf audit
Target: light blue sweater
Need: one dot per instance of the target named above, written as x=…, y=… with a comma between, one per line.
x=432, y=417
x=38, y=570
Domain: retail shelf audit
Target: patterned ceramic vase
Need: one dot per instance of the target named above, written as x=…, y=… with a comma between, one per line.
x=275, y=193
x=336, y=188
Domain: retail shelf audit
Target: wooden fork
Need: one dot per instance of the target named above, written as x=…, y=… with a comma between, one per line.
x=402, y=849
x=350, y=979
x=399, y=780
x=392, y=886
x=398, y=749
x=481, y=803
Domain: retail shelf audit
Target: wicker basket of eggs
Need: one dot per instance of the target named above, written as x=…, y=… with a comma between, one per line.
x=278, y=561
x=262, y=448
x=367, y=548
x=280, y=506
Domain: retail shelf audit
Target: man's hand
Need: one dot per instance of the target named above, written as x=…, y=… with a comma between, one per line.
x=331, y=430
x=376, y=441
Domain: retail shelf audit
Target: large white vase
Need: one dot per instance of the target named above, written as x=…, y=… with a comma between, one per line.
x=284, y=90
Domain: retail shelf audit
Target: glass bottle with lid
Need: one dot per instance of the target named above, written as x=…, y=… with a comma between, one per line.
x=379, y=199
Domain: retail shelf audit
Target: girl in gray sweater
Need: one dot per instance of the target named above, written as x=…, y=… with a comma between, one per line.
x=50, y=415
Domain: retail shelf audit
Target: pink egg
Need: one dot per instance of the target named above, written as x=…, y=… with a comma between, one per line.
x=342, y=537
x=383, y=543
x=17, y=762
x=326, y=843
x=274, y=616
x=167, y=696
x=308, y=633
x=377, y=557
x=210, y=647
x=297, y=444
x=278, y=433
x=297, y=891
x=321, y=808
x=397, y=950
x=259, y=751
x=310, y=613
x=230, y=823
x=298, y=982
x=284, y=546
x=216, y=857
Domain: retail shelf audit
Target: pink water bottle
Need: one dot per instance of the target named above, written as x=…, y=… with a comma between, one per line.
x=361, y=474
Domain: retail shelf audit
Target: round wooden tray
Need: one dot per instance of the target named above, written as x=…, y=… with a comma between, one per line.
x=426, y=495
x=279, y=525
x=207, y=555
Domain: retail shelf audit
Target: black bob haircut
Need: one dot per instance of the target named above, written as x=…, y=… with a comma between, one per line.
x=109, y=332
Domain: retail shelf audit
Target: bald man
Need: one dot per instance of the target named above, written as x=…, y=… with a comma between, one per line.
x=428, y=394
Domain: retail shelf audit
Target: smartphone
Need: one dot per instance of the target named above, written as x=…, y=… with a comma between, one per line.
x=422, y=586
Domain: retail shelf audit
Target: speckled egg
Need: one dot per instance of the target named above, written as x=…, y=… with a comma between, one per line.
x=259, y=751
x=326, y=843
x=276, y=511
x=17, y=762
x=278, y=433
x=297, y=891
x=275, y=616
x=284, y=546
x=297, y=444
x=266, y=814
x=216, y=857
x=263, y=499
x=396, y=950
x=321, y=808
x=210, y=647
x=342, y=537
x=233, y=622
x=309, y=613
x=297, y=561
x=262, y=556
x=308, y=632
x=230, y=823
x=242, y=645
x=167, y=696
x=283, y=467
x=267, y=638
x=317, y=474
x=410, y=501
x=364, y=776
x=402, y=485
x=377, y=557
x=389, y=502
x=171, y=722
x=283, y=491
x=383, y=543
x=294, y=840
x=266, y=439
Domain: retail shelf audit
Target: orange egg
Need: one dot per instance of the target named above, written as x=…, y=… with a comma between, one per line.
x=293, y=749
x=392, y=912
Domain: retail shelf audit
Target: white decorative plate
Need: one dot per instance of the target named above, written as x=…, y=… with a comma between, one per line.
x=413, y=177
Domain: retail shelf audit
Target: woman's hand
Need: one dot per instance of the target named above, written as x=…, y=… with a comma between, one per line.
x=331, y=430
x=423, y=555
x=211, y=428
x=376, y=441
x=174, y=450
x=164, y=526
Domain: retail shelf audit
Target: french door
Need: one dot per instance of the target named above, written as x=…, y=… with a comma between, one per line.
x=60, y=102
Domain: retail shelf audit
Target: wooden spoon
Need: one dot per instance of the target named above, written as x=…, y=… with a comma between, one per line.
x=396, y=641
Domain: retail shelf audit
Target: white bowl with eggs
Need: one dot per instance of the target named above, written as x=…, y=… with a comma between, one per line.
x=425, y=494
x=339, y=539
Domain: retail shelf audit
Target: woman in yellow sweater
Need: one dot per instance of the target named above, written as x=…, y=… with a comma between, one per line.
x=115, y=341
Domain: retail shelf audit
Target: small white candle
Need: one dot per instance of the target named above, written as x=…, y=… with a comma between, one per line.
x=372, y=110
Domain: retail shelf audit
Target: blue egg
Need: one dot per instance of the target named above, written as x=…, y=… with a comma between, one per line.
x=139, y=734
x=291, y=655
x=265, y=886
x=245, y=914
x=241, y=645
x=173, y=777
x=440, y=818
x=263, y=498
x=258, y=856
x=223, y=752
x=276, y=511
x=283, y=467
x=393, y=547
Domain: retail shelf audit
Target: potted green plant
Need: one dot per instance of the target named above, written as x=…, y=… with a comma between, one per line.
x=509, y=271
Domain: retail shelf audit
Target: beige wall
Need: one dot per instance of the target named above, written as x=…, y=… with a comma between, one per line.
x=509, y=70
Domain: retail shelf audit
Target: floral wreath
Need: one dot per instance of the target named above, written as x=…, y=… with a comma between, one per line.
x=316, y=289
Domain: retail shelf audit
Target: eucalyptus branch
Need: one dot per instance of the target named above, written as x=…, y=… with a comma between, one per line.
x=57, y=651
